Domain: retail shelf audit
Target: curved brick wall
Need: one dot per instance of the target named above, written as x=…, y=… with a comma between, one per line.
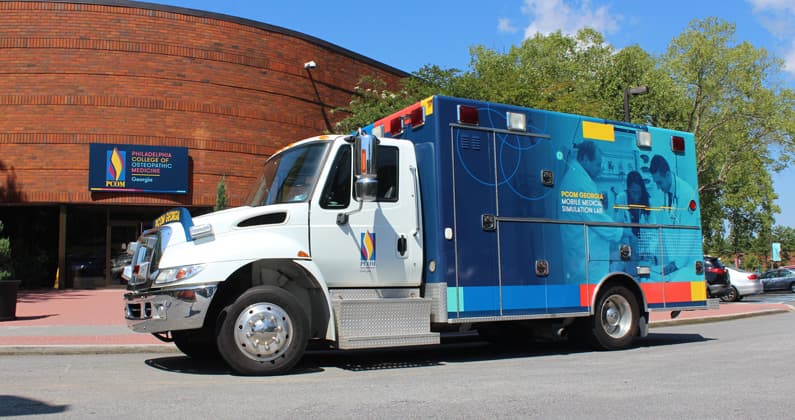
x=231, y=90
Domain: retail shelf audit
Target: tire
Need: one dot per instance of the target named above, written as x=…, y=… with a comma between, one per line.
x=792, y=287
x=615, y=322
x=731, y=295
x=264, y=332
x=196, y=344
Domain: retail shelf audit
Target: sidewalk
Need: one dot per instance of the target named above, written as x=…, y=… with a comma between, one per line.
x=73, y=321
x=92, y=321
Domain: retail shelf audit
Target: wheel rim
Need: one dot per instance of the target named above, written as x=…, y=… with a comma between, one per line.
x=616, y=316
x=263, y=331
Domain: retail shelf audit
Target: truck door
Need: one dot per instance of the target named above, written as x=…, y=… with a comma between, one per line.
x=475, y=209
x=374, y=246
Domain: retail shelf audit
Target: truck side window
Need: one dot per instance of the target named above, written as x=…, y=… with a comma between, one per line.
x=337, y=191
x=387, y=173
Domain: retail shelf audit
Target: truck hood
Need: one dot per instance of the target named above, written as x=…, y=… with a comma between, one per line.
x=226, y=220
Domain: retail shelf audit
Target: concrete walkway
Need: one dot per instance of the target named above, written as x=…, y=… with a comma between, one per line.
x=92, y=321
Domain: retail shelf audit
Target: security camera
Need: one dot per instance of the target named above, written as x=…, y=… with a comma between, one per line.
x=310, y=65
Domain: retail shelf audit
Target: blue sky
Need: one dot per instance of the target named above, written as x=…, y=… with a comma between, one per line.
x=410, y=33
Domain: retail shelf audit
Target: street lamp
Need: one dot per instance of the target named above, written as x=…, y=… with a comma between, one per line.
x=637, y=90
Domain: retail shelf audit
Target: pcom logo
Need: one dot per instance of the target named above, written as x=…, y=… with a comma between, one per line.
x=368, y=251
x=116, y=170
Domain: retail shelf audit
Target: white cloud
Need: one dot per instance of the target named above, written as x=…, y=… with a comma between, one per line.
x=504, y=26
x=567, y=16
x=789, y=59
x=761, y=5
x=778, y=17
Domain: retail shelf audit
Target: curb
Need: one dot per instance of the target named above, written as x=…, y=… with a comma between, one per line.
x=718, y=318
x=60, y=350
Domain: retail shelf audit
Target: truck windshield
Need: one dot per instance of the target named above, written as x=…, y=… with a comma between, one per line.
x=290, y=176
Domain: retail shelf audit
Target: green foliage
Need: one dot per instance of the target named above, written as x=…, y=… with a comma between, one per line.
x=220, y=195
x=6, y=269
x=727, y=93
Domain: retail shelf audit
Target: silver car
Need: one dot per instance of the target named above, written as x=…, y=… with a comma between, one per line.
x=779, y=279
x=743, y=283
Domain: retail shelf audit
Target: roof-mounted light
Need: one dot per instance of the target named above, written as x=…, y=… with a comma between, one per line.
x=678, y=144
x=417, y=116
x=467, y=115
x=643, y=139
x=378, y=131
x=517, y=121
x=396, y=126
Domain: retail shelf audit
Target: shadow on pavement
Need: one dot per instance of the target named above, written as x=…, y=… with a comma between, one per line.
x=466, y=350
x=12, y=405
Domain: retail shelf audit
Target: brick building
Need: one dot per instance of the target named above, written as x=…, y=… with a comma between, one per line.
x=79, y=73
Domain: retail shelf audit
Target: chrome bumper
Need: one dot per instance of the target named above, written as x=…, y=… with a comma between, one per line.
x=168, y=310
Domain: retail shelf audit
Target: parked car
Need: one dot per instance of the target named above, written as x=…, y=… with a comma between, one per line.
x=778, y=279
x=717, y=277
x=742, y=284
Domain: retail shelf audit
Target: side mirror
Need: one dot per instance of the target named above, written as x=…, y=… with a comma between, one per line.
x=366, y=188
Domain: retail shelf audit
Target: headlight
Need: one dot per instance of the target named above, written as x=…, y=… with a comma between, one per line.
x=170, y=275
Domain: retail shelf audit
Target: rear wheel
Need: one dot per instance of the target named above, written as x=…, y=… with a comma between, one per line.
x=615, y=322
x=792, y=287
x=731, y=295
x=264, y=332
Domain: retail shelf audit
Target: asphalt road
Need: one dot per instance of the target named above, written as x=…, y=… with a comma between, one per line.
x=731, y=369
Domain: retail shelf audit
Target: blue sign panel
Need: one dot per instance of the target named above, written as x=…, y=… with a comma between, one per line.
x=134, y=168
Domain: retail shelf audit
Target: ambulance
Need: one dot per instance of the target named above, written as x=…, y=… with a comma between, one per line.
x=450, y=215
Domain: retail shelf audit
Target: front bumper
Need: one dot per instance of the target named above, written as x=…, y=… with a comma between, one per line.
x=156, y=311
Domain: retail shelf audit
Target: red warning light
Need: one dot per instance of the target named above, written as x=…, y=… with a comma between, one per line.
x=396, y=126
x=467, y=115
x=692, y=205
x=417, y=117
x=678, y=144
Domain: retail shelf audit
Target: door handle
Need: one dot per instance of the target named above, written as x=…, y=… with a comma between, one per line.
x=402, y=245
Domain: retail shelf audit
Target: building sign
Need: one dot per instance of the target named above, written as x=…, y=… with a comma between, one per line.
x=133, y=168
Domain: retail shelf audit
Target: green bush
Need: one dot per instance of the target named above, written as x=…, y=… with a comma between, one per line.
x=6, y=270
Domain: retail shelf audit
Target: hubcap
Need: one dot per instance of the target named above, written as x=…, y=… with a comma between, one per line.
x=263, y=331
x=616, y=316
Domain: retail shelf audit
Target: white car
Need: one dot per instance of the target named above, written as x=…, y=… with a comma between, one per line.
x=743, y=283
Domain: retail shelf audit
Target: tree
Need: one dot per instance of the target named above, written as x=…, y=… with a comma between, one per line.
x=220, y=195
x=726, y=93
x=742, y=120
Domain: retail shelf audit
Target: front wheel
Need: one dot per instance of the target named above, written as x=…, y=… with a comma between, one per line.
x=264, y=332
x=614, y=325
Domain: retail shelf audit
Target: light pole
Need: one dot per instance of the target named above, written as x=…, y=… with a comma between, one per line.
x=637, y=90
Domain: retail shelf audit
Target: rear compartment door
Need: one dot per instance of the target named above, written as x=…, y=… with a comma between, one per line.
x=477, y=291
